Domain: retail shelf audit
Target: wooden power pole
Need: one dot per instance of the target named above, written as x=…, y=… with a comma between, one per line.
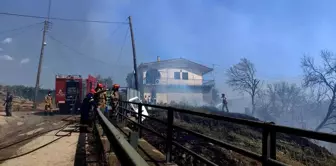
x=134, y=54
x=45, y=29
x=37, y=85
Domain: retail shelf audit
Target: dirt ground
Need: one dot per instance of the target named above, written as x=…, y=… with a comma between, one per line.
x=60, y=153
x=33, y=128
x=22, y=122
x=26, y=131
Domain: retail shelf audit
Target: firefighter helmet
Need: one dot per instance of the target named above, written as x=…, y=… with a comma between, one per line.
x=100, y=85
x=116, y=86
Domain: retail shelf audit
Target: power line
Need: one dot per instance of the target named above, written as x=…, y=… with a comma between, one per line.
x=64, y=58
x=122, y=47
x=74, y=50
x=79, y=53
x=12, y=35
x=121, y=50
x=62, y=19
x=20, y=28
x=92, y=21
x=115, y=30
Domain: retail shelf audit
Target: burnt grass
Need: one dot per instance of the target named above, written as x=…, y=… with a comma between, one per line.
x=291, y=149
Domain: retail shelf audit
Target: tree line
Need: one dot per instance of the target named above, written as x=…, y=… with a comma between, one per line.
x=287, y=103
x=25, y=91
x=108, y=81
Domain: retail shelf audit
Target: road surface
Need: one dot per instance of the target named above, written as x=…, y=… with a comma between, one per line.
x=37, y=130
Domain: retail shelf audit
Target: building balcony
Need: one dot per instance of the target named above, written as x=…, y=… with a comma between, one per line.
x=198, y=85
x=180, y=82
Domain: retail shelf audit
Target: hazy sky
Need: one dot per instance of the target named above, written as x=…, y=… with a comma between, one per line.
x=272, y=34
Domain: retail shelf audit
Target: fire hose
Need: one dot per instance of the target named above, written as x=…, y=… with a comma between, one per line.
x=33, y=150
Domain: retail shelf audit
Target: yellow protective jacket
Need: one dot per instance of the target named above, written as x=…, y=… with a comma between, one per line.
x=115, y=97
x=48, y=100
x=102, y=97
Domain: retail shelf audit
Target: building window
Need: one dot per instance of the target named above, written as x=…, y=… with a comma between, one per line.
x=177, y=75
x=184, y=75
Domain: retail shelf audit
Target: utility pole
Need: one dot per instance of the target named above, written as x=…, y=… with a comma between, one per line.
x=37, y=85
x=134, y=54
x=40, y=63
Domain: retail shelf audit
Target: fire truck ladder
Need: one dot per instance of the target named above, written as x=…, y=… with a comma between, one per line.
x=73, y=111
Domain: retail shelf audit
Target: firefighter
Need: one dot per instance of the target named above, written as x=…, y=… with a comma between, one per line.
x=145, y=99
x=149, y=100
x=48, y=104
x=100, y=96
x=99, y=87
x=224, y=103
x=8, y=104
x=86, y=107
x=115, y=99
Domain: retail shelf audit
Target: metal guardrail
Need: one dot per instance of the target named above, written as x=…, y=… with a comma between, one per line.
x=125, y=153
x=269, y=130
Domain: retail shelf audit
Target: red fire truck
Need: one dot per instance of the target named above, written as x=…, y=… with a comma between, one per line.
x=70, y=91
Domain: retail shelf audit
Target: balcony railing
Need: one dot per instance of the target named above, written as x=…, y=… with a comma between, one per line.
x=209, y=82
x=176, y=82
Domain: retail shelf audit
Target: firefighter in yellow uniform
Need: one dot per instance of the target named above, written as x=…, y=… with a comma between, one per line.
x=115, y=99
x=101, y=96
x=48, y=104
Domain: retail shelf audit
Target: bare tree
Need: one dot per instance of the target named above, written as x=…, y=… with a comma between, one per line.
x=324, y=76
x=242, y=78
x=316, y=95
x=263, y=106
x=285, y=100
x=315, y=104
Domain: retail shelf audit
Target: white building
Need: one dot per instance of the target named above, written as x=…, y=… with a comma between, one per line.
x=175, y=80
